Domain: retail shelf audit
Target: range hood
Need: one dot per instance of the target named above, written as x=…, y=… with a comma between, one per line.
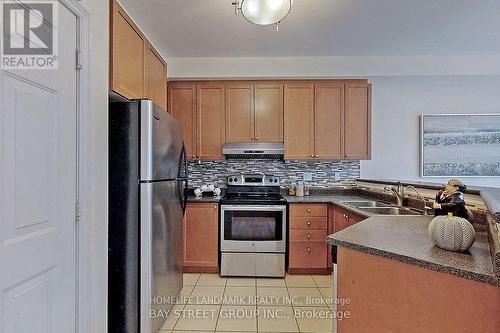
x=255, y=150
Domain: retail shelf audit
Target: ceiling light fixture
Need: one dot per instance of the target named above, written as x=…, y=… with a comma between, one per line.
x=263, y=12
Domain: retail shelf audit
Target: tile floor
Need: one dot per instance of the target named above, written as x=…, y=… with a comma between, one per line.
x=209, y=303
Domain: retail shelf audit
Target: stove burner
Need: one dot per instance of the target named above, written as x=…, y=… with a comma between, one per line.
x=251, y=189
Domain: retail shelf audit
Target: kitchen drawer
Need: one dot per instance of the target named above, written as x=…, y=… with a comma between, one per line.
x=297, y=235
x=309, y=210
x=308, y=255
x=309, y=223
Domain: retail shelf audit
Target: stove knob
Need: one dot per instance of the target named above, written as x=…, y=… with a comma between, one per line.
x=230, y=180
x=275, y=180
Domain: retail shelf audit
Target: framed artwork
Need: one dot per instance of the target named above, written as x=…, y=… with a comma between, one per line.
x=460, y=145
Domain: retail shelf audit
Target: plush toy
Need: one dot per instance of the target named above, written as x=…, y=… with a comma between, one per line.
x=451, y=200
x=207, y=189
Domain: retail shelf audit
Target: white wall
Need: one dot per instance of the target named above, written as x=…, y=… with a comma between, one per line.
x=98, y=153
x=397, y=104
x=321, y=67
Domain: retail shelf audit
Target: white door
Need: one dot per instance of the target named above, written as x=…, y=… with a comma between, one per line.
x=38, y=159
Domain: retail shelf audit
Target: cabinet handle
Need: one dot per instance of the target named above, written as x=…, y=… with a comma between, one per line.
x=192, y=156
x=308, y=236
x=316, y=156
x=308, y=222
x=347, y=155
x=312, y=156
x=308, y=210
x=256, y=138
x=198, y=156
x=309, y=249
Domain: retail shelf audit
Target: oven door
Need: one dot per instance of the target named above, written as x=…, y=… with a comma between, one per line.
x=253, y=228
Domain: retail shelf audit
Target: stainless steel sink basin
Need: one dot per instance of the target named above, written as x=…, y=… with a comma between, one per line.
x=359, y=204
x=390, y=211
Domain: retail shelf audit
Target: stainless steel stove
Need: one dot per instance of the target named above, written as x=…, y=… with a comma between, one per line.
x=253, y=227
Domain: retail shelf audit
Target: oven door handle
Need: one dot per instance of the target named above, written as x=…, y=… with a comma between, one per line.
x=260, y=208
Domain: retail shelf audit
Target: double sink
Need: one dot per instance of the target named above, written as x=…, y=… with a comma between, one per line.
x=382, y=208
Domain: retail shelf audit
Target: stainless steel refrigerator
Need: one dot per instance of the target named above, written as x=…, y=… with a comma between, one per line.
x=147, y=200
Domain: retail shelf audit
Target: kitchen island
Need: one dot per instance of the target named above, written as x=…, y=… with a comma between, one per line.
x=396, y=280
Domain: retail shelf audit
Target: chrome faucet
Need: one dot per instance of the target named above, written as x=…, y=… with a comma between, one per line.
x=399, y=191
x=426, y=208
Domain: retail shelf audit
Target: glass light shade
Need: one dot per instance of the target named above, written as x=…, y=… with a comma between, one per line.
x=265, y=12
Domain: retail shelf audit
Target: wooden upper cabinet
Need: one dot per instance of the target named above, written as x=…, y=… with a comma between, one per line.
x=156, y=77
x=269, y=112
x=182, y=105
x=329, y=120
x=357, y=121
x=240, y=122
x=210, y=121
x=299, y=120
x=127, y=55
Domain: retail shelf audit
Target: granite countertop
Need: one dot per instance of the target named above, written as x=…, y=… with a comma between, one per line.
x=402, y=238
x=336, y=199
x=406, y=239
x=204, y=199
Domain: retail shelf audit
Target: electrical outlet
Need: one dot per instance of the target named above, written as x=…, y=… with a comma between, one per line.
x=336, y=176
x=308, y=176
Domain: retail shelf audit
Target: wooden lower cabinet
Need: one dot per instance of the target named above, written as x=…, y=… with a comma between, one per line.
x=307, y=256
x=200, y=238
x=307, y=251
x=339, y=219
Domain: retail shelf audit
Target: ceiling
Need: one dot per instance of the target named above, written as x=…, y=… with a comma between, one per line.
x=209, y=28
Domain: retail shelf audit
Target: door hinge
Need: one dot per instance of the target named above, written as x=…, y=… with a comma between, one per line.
x=78, y=55
x=77, y=211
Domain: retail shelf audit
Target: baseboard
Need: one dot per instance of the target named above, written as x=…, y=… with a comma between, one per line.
x=319, y=271
x=201, y=269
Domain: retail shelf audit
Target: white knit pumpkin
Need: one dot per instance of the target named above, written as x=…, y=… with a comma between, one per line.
x=452, y=233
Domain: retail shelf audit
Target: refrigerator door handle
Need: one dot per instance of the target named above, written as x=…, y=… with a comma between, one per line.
x=185, y=197
x=183, y=163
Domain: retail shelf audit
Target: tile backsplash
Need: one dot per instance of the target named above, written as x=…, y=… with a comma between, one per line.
x=323, y=172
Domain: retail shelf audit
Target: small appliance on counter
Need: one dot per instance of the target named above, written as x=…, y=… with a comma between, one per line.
x=253, y=225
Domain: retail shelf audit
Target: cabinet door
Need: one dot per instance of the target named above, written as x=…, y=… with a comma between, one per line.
x=331, y=230
x=240, y=112
x=307, y=255
x=358, y=121
x=210, y=121
x=127, y=55
x=340, y=219
x=299, y=121
x=201, y=237
x=269, y=112
x=182, y=105
x=156, y=77
x=353, y=218
x=329, y=120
